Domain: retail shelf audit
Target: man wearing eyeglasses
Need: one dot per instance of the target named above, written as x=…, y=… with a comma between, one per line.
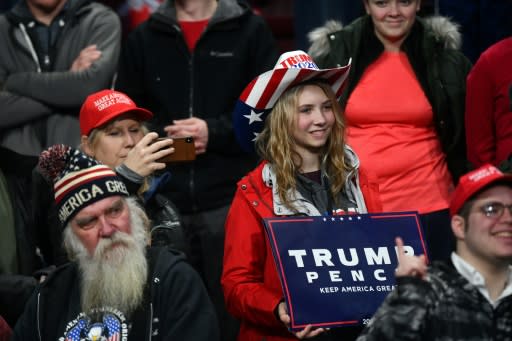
x=469, y=298
x=116, y=288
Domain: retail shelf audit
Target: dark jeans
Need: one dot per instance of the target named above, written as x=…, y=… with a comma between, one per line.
x=438, y=233
x=205, y=232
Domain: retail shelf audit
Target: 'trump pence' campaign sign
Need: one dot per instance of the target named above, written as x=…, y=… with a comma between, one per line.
x=336, y=271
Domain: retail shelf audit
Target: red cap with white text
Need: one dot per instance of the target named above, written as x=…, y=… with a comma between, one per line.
x=104, y=106
x=473, y=182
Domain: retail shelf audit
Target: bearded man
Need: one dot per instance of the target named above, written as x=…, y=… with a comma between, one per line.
x=53, y=54
x=116, y=288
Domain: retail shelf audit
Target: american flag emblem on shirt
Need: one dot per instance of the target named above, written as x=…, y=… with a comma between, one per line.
x=110, y=328
x=75, y=333
x=113, y=327
x=260, y=96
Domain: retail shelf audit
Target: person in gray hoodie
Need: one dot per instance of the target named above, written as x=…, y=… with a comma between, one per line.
x=54, y=53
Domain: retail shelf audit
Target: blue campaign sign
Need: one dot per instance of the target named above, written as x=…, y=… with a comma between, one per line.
x=336, y=271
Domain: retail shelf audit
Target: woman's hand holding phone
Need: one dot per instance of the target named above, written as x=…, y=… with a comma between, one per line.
x=144, y=158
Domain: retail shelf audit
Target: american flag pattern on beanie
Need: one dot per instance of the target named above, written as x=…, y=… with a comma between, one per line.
x=78, y=179
x=260, y=96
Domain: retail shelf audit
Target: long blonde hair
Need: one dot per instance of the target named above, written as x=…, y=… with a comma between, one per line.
x=277, y=145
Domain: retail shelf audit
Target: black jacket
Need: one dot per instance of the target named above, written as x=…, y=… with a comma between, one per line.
x=16, y=288
x=177, y=306
x=159, y=73
x=166, y=223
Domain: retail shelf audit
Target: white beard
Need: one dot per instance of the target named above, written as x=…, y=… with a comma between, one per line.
x=113, y=277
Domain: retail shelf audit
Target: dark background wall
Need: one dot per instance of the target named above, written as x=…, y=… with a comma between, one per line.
x=291, y=20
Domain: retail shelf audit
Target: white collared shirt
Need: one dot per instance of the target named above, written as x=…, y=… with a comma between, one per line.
x=467, y=271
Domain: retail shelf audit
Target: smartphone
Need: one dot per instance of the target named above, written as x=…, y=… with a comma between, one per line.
x=184, y=150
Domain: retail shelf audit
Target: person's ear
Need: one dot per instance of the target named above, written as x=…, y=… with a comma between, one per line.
x=366, y=6
x=458, y=227
x=86, y=146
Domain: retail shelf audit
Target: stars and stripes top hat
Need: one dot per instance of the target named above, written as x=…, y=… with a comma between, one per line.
x=260, y=96
x=78, y=179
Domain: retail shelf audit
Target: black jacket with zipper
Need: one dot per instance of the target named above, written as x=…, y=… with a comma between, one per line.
x=158, y=72
x=176, y=305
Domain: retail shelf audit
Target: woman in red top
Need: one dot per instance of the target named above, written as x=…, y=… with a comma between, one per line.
x=302, y=145
x=404, y=107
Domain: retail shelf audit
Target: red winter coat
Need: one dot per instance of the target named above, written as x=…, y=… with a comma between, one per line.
x=250, y=280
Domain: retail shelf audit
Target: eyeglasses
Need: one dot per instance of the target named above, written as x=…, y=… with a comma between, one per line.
x=495, y=209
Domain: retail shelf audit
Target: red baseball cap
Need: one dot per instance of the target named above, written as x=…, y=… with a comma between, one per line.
x=473, y=182
x=105, y=105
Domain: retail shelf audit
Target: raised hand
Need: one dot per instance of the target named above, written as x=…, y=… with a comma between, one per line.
x=143, y=157
x=409, y=265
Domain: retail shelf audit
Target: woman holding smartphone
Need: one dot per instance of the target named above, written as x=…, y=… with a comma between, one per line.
x=113, y=132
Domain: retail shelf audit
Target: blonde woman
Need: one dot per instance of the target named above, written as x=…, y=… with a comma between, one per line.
x=113, y=132
x=306, y=170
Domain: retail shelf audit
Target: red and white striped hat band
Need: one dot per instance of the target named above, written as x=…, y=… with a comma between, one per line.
x=292, y=68
x=76, y=179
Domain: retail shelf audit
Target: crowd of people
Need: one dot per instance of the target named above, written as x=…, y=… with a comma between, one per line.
x=102, y=238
